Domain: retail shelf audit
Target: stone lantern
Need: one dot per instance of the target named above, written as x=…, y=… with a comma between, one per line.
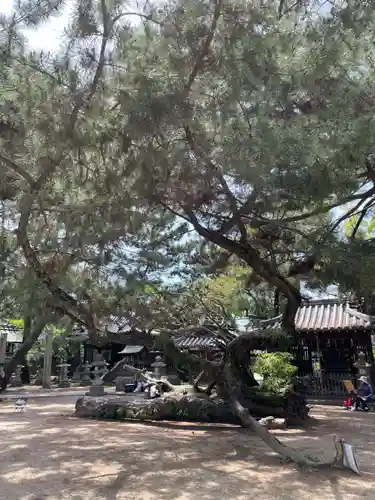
x=159, y=367
x=362, y=367
x=63, y=378
x=97, y=387
x=17, y=381
x=86, y=376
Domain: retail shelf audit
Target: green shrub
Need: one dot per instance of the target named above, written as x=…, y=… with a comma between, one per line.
x=275, y=368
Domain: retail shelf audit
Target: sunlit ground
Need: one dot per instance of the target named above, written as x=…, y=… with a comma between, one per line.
x=47, y=454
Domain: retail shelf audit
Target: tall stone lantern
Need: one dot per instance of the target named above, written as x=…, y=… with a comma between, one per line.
x=362, y=367
x=159, y=367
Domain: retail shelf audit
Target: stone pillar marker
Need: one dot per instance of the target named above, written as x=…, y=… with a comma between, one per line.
x=47, y=364
x=63, y=375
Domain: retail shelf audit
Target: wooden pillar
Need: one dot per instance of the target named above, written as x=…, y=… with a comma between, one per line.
x=318, y=373
x=318, y=353
x=47, y=360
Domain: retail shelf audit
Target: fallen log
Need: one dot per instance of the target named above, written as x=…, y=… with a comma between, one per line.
x=172, y=406
x=167, y=407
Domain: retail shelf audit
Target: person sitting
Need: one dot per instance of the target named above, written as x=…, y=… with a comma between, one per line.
x=363, y=395
x=154, y=391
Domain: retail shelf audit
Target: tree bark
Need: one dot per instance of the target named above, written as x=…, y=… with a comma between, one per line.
x=24, y=348
x=249, y=422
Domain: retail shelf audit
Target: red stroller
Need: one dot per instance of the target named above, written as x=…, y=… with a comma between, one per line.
x=348, y=403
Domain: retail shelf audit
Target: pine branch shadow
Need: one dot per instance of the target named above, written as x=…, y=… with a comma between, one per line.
x=85, y=459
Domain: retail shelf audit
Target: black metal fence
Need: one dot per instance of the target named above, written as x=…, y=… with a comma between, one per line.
x=329, y=384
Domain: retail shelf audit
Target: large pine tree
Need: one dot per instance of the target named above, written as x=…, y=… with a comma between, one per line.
x=239, y=124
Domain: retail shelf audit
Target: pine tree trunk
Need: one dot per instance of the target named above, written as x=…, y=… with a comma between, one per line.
x=19, y=356
x=249, y=422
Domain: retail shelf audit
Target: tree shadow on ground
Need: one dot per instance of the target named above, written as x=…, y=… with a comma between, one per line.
x=50, y=455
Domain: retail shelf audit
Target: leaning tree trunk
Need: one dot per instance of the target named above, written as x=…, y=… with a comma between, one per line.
x=20, y=354
x=17, y=359
x=233, y=390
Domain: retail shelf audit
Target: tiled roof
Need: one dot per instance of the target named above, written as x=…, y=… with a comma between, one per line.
x=114, y=324
x=132, y=349
x=118, y=324
x=193, y=342
x=325, y=315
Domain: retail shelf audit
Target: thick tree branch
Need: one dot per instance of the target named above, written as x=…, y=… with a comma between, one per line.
x=20, y=171
x=247, y=253
x=71, y=306
x=362, y=215
x=216, y=171
x=203, y=50
x=347, y=214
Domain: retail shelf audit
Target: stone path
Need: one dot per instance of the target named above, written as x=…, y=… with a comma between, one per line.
x=38, y=392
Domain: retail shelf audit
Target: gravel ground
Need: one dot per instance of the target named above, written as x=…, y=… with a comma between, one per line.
x=47, y=454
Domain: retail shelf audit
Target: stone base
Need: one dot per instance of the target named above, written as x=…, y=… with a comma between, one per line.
x=96, y=391
x=16, y=383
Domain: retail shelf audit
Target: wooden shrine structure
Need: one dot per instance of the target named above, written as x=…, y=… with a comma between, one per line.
x=329, y=337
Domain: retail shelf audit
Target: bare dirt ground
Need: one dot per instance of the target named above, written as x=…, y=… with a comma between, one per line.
x=47, y=454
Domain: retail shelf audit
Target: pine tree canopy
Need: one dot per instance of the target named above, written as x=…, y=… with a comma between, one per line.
x=204, y=131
